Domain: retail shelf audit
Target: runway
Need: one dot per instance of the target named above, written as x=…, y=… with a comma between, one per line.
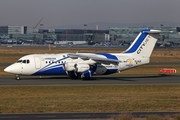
x=96, y=80
x=80, y=116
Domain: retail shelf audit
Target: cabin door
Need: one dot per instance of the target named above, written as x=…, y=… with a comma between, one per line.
x=37, y=62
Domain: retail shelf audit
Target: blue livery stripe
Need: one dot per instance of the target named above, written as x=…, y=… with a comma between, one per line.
x=109, y=56
x=138, y=41
x=49, y=65
x=54, y=71
x=110, y=71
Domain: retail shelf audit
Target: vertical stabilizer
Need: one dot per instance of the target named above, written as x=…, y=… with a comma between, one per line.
x=144, y=43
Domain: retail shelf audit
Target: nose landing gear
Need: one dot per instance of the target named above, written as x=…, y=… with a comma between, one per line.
x=17, y=77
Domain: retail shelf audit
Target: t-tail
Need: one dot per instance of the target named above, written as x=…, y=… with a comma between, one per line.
x=144, y=43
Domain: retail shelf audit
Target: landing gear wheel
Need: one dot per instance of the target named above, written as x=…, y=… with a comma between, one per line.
x=17, y=77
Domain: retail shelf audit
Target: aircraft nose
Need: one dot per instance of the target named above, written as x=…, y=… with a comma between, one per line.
x=8, y=69
x=14, y=69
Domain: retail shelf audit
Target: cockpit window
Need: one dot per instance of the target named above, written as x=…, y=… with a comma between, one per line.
x=24, y=61
x=19, y=61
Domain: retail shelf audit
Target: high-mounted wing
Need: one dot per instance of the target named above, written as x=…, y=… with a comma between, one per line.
x=94, y=57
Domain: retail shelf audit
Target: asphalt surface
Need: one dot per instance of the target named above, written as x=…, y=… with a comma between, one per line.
x=96, y=80
x=81, y=116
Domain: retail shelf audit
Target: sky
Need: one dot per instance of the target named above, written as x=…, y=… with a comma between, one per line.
x=75, y=12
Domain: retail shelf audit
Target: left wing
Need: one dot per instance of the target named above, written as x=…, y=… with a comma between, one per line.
x=94, y=57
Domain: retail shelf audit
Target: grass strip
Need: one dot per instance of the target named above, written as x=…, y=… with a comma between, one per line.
x=89, y=98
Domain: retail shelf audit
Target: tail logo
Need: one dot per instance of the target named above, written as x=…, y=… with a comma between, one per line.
x=143, y=45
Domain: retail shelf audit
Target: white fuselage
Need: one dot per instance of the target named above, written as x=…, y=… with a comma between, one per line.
x=53, y=64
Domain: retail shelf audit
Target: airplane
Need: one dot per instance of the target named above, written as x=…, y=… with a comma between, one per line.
x=85, y=65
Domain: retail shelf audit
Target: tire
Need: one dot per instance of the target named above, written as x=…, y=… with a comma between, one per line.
x=17, y=77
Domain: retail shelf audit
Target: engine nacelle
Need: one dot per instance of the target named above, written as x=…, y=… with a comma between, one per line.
x=69, y=66
x=87, y=74
x=81, y=67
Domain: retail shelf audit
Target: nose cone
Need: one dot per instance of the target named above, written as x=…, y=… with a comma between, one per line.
x=14, y=69
x=8, y=69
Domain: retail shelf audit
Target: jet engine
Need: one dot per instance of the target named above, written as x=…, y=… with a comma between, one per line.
x=87, y=74
x=74, y=70
x=78, y=67
x=69, y=66
x=81, y=67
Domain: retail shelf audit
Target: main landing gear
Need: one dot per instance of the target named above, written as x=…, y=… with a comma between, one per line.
x=17, y=77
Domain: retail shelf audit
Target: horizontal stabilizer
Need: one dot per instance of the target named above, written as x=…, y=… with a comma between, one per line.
x=152, y=31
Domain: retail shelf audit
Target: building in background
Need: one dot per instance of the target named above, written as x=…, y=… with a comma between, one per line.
x=125, y=35
x=90, y=36
x=13, y=34
x=119, y=36
x=17, y=29
x=13, y=29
